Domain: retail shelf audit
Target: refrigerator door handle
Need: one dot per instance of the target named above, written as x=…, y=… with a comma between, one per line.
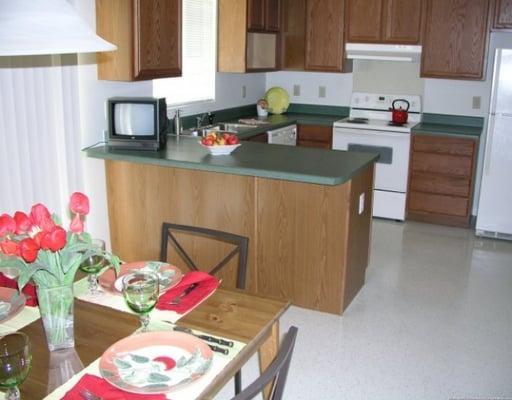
x=488, y=144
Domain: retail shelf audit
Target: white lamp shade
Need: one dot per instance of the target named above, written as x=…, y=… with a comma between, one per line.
x=32, y=27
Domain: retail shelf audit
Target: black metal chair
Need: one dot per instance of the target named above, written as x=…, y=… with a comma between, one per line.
x=277, y=371
x=241, y=248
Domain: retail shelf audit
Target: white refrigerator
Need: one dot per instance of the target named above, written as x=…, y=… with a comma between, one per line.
x=495, y=206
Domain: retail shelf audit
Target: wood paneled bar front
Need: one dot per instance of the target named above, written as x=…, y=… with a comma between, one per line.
x=308, y=242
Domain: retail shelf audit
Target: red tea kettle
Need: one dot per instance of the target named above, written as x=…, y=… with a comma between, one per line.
x=399, y=115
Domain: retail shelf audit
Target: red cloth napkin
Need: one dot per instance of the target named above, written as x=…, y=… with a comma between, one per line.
x=29, y=290
x=207, y=284
x=100, y=387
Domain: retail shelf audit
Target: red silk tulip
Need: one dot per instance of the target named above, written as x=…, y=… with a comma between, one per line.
x=54, y=240
x=41, y=217
x=10, y=248
x=79, y=203
x=7, y=224
x=23, y=222
x=77, y=225
x=29, y=249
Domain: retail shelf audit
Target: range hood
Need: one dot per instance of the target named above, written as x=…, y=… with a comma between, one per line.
x=384, y=52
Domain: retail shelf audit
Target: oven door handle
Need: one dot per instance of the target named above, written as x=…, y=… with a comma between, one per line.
x=343, y=131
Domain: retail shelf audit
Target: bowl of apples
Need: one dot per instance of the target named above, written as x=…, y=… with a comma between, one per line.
x=220, y=143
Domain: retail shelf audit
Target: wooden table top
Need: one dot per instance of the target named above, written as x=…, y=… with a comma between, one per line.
x=227, y=313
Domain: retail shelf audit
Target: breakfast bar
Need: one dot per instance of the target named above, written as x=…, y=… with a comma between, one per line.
x=306, y=212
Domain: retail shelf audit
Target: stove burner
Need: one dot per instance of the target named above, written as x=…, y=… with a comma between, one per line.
x=358, y=120
x=391, y=123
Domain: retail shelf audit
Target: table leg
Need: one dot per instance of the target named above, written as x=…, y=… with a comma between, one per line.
x=267, y=353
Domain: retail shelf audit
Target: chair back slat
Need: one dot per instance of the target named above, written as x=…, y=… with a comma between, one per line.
x=241, y=244
x=277, y=371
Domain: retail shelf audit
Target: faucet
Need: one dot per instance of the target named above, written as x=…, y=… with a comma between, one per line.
x=199, y=120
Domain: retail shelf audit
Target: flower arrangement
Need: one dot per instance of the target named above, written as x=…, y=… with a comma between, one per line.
x=42, y=250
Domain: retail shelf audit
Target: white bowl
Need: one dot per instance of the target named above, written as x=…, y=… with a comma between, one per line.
x=221, y=150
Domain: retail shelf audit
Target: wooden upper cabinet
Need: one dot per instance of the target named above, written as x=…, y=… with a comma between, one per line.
x=455, y=39
x=503, y=14
x=364, y=18
x=384, y=21
x=324, y=35
x=256, y=15
x=148, y=37
x=241, y=47
x=293, y=35
x=272, y=15
x=263, y=15
x=402, y=21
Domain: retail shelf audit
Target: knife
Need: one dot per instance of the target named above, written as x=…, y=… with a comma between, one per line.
x=178, y=298
x=206, y=338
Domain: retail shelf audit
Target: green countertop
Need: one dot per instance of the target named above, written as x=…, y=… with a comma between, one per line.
x=300, y=164
x=443, y=124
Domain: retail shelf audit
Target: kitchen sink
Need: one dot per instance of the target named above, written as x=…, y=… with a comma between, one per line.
x=221, y=126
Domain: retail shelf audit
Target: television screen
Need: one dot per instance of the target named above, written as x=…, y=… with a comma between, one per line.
x=134, y=119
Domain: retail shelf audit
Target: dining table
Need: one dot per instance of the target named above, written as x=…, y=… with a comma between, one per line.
x=228, y=313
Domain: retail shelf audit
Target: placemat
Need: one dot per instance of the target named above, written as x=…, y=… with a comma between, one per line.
x=25, y=317
x=116, y=301
x=190, y=392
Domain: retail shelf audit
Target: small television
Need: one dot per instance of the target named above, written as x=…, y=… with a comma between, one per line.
x=137, y=123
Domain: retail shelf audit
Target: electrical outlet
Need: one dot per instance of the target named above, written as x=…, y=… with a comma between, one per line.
x=244, y=91
x=477, y=102
x=361, y=203
x=296, y=90
x=322, y=91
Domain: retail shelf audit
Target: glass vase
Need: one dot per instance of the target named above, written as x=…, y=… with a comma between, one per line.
x=56, y=307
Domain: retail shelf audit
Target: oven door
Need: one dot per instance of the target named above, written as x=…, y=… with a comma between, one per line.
x=393, y=165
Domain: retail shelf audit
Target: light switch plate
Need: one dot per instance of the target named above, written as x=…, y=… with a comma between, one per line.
x=296, y=90
x=477, y=102
x=361, y=203
x=322, y=91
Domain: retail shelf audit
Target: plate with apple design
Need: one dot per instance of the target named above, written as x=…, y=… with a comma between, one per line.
x=155, y=362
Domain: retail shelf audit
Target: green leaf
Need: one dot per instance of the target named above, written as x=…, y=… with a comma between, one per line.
x=122, y=364
x=155, y=377
x=139, y=359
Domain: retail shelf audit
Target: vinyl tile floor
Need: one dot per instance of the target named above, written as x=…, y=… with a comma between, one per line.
x=433, y=321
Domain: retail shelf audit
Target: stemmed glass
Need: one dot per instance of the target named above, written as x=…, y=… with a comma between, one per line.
x=140, y=291
x=94, y=264
x=15, y=362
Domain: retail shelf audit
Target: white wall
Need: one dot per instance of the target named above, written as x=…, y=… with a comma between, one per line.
x=338, y=86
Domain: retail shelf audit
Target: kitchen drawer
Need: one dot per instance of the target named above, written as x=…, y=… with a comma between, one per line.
x=442, y=164
x=443, y=145
x=318, y=133
x=438, y=204
x=314, y=143
x=441, y=184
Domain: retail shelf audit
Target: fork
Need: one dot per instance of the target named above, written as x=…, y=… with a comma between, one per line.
x=88, y=395
x=178, y=298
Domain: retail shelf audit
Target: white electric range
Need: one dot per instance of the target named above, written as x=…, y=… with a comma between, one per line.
x=369, y=129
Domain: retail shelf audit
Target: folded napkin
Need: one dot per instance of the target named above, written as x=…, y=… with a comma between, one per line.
x=101, y=388
x=29, y=290
x=207, y=284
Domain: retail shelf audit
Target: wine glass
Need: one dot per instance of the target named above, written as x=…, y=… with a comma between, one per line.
x=15, y=362
x=94, y=264
x=140, y=291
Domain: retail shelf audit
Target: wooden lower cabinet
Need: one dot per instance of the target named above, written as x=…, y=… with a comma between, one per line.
x=441, y=179
x=307, y=242
x=314, y=136
x=261, y=137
